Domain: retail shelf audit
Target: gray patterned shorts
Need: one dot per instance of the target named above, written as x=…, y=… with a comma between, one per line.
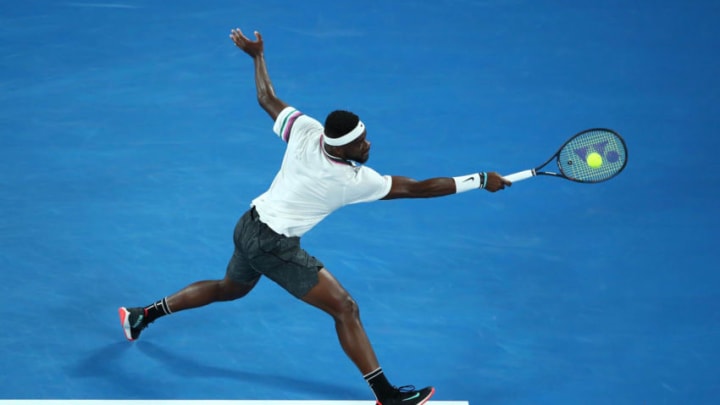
x=259, y=251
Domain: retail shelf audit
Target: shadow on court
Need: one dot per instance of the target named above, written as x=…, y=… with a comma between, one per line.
x=109, y=362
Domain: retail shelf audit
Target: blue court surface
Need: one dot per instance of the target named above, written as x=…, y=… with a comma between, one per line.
x=131, y=141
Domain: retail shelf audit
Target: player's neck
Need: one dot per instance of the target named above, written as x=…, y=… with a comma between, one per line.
x=333, y=157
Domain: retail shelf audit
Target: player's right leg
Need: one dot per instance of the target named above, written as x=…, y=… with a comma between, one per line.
x=332, y=298
x=284, y=261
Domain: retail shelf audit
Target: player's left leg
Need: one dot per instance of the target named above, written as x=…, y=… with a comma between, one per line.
x=240, y=279
x=197, y=294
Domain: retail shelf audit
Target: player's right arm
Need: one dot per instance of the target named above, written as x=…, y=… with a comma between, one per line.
x=265, y=91
x=405, y=187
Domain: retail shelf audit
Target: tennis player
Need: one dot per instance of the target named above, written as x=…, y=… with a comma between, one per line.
x=321, y=171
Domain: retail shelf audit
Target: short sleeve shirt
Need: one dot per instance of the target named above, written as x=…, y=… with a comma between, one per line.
x=310, y=184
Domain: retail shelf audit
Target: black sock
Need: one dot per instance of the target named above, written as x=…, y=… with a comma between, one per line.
x=379, y=383
x=157, y=309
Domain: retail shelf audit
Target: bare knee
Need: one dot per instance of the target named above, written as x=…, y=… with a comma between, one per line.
x=332, y=298
x=345, y=308
x=229, y=290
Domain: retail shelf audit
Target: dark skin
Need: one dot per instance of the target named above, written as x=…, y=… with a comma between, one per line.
x=328, y=295
x=358, y=150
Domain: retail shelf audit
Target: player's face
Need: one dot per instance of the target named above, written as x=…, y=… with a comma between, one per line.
x=359, y=149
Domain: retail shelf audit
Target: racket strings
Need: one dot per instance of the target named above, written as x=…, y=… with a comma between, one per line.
x=573, y=157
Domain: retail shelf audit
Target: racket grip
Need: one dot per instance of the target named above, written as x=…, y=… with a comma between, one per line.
x=525, y=174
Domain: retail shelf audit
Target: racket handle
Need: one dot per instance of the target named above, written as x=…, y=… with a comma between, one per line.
x=525, y=174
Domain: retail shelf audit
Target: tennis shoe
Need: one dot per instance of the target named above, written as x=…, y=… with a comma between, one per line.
x=407, y=395
x=133, y=321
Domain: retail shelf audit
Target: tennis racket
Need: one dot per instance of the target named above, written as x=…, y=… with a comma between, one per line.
x=591, y=156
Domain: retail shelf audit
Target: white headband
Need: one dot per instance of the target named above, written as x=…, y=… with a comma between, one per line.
x=347, y=138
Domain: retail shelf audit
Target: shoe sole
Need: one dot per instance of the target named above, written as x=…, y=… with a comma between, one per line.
x=125, y=322
x=427, y=398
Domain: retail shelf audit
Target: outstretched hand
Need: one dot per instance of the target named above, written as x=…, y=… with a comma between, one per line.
x=252, y=48
x=496, y=182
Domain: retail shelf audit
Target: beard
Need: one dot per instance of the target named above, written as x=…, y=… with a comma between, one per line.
x=362, y=158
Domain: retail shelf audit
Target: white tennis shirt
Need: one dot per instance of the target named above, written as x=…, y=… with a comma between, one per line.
x=310, y=185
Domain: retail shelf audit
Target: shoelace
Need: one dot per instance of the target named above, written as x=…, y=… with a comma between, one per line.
x=403, y=390
x=143, y=324
x=146, y=324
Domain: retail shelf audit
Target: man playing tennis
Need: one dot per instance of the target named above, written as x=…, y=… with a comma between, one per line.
x=321, y=172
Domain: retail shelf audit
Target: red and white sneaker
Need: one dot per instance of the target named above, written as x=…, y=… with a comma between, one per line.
x=133, y=321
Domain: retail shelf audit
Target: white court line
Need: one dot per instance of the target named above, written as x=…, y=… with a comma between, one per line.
x=196, y=402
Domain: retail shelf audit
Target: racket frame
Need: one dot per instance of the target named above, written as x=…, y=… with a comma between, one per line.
x=537, y=171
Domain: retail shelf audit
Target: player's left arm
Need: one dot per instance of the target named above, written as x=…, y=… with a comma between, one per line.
x=266, y=96
x=405, y=187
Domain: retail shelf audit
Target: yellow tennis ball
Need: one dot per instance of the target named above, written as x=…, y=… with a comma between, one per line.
x=594, y=160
